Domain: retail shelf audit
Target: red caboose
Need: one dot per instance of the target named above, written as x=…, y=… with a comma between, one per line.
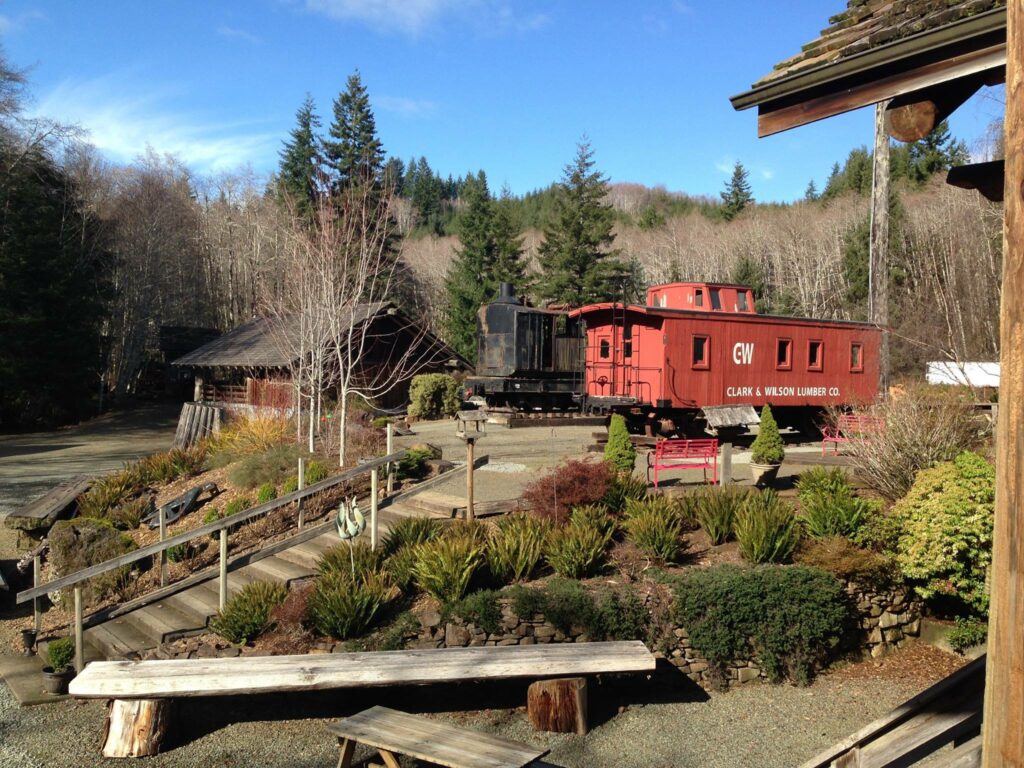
x=700, y=350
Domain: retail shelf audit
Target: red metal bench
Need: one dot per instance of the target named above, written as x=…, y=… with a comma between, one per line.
x=849, y=427
x=684, y=454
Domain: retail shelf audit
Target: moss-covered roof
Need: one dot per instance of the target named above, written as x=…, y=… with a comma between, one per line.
x=867, y=24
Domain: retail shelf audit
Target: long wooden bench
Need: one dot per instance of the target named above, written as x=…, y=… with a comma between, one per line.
x=849, y=427
x=137, y=719
x=684, y=454
x=395, y=733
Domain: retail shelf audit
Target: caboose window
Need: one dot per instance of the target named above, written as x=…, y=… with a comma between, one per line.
x=605, y=348
x=784, y=354
x=741, y=301
x=716, y=298
x=698, y=297
x=627, y=342
x=700, y=352
x=815, y=350
x=856, y=357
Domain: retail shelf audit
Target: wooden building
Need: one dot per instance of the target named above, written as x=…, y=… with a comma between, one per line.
x=916, y=61
x=253, y=364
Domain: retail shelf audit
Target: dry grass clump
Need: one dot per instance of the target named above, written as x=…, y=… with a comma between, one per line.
x=248, y=436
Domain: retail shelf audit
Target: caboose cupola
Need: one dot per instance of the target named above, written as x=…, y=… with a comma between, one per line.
x=702, y=297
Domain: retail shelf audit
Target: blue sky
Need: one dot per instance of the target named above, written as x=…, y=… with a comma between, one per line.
x=504, y=85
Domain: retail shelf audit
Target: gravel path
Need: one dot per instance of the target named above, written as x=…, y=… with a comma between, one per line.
x=763, y=726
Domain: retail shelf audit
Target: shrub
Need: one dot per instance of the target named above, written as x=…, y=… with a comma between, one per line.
x=270, y=466
x=445, y=566
x=596, y=516
x=767, y=447
x=81, y=542
x=401, y=565
x=849, y=562
x=790, y=618
x=248, y=436
x=212, y=515
x=60, y=654
x=947, y=517
x=571, y=484
x=247, y=615
x=434, y=395
x=655, y=531
x=181, y=552
x=480, y=608
x=267, y=492
x=340, y=558
x=169, y=466
x=128, y=515
x=826, y=480
x=413, y=466
x=565, y=604
x=614, y=614
x=832, y=512
x=236, y=505
x=766, y=529
x=619, y=614
x=342, y=608
x=619, y=453
x=966, y=633
x=290, y=485
x=516, y=546
x=396, y=634
x=923, y=426
x=716, y=510
x=315, y=472
x=576, y=550
x=410, y=531
x=105, y=494
x=621, y=488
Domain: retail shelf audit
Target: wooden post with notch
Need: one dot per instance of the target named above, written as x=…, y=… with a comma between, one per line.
x=1003, y=722
x=374, y=487
x=390, y=469
x=878, y=264
x=223, y=585
x=163, y=552
x=301, y=486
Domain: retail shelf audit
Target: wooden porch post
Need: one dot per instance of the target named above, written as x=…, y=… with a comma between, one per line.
x=878, y=259
x=1003, y=727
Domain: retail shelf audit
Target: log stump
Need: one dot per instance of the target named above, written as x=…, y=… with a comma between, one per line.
x=558, y=705
x=135, y=727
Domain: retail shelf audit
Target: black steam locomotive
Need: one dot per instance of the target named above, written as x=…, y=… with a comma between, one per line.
x=527, y=358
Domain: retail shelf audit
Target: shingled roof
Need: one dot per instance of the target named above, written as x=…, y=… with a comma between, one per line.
x=262, y=342
x=868, y=24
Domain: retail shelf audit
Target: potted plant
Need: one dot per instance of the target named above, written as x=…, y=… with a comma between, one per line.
x=60, y=654
x=768, y=452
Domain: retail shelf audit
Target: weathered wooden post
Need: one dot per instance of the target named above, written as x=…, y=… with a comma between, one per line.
x=726, y=477
x=470, y=427
x=1003, y=721
x=37, y=614
x=163, y=552
x=878, y=259
x=302, y=485
x=374, y=486
x=79, y=634
x=223, y=597
x=389, y=450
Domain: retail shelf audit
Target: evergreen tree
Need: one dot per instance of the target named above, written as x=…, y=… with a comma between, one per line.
x=811, y=194
x=578, y=264
x=507, y=236
x=394, y=175
x=299, y=169
x=354, y=151
x=737, y=194
x=938, y=151
x=746, y=271
x=833, y=185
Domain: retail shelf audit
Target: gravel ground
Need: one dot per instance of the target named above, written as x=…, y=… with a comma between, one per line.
x=760, y=726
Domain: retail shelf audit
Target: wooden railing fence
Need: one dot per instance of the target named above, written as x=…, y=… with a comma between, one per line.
x=157, y=551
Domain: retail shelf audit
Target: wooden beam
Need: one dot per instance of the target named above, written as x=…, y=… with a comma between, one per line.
x=987, y=178
x=1003, y=727
x=776, y=117
x=914, y=116
x=878, y=258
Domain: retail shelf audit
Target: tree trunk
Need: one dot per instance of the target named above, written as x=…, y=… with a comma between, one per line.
x=558, y=705
x=136, y=727
x=342, y=420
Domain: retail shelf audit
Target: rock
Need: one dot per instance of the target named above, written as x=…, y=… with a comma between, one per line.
x=888, y=620
x=455, y=636
x=544, y=632
x=892, y=635
x=560, y=636
x=206, y=652
x=430, y=619
x=509, y=641
x=424, y=644
x=583, y=638
x=438, y=466
x=878, y=650
x=876, y=610
x=913, y=628
x=528, y=641
x=698, y=666
x=747, y=674
x=875, y=636
x=680, y=633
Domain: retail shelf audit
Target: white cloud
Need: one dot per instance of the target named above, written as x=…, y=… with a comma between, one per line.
x=405, y=107
x=414, y=17
x=767, y=174
x=124, y=120
x=238, y=34
x=9, y=24
x=725, y=166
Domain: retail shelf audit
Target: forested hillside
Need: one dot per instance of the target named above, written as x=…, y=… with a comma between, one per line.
x=97, y=257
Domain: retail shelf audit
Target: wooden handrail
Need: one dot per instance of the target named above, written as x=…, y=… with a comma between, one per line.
x=203, y=530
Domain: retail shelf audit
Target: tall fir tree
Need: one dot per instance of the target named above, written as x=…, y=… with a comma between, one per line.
x=299, y=170
x=507, y=234
x=470, y=280
x=737, y=195
x=834, y=183
x=578, y=263
x=811, y=193
x=354, y=151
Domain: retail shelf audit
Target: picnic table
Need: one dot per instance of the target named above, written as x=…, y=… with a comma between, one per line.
x=394, y=733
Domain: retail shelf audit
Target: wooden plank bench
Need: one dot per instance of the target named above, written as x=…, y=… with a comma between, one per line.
x=140, y=689
x=849, y=427
x=684, y=454
x=398, y=733
x=36, y=518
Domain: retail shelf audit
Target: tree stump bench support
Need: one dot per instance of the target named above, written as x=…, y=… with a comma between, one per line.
x=142, y=691
x=558, y=705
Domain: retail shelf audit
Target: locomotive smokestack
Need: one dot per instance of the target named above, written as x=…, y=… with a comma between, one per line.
x=506, y=294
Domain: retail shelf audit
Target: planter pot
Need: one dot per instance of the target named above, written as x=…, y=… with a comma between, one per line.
x=764, y=474
x=28, y=641
x=56, y=682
